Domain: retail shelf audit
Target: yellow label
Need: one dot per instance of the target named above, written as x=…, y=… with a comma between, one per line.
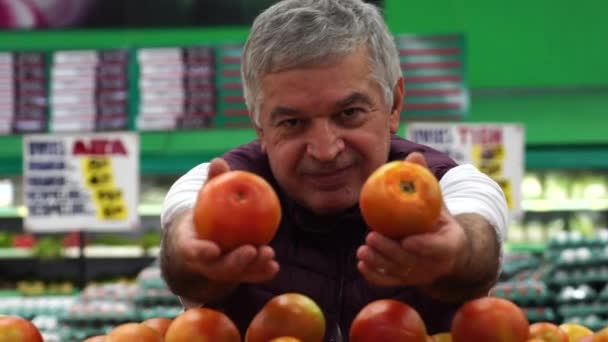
x=488, y=152
x=116, y=211
x=492, y=168
x=108, y=199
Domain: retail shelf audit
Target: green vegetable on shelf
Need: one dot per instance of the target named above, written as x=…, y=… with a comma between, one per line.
x=48, y=248
x=112, y=240
x=150, y=240
x=6, y=240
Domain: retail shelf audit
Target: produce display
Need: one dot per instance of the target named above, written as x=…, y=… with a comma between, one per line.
x=295, y=317
x=97, y=309
x=562, y=290
x=560, y=201
x=568, y=283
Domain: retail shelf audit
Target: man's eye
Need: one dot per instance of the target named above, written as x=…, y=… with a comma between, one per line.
x=351, y=113
x=290, y=123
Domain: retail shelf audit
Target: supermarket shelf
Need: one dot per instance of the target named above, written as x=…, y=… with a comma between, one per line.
x=540, y=205
x=72, y=269
x=9, y=293
x=21, y=211
x=101, y=262
x=525, y=247
x=149, y=209
x=105, y=252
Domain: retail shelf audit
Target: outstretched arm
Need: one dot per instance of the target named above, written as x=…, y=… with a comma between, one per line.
x=458, y=260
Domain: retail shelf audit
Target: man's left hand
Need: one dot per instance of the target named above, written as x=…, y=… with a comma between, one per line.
x=417, y=259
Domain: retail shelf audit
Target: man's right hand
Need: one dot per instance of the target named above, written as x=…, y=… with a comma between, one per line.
x=193, y=258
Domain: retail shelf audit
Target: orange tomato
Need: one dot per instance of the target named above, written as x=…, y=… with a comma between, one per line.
x=548, y=332
x=237, y=208
x=202, y=324
x=160, y=324
x=400, y=199
x=129, y=332
x=600, y=336
x=575, y=331
x=442, y=337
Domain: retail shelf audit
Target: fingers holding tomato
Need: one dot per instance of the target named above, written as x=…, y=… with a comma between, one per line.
x=243, y=264
x=383, y=262
x=413, y=240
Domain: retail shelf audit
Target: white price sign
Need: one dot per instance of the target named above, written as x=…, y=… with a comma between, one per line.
x=86, y=182
x=495, y=149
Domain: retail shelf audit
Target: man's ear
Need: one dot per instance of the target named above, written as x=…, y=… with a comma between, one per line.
x=397, y=107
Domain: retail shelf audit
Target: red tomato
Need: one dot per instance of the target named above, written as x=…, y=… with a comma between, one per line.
x=490, y=319
x=401, y=198
x=388, y=320
x=17, y=329
x=237, y=208
x=290, y=314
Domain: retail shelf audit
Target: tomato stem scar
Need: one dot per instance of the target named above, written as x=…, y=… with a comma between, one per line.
x=407, y=186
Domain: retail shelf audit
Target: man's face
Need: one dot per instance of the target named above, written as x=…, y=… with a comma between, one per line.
x=326, y=129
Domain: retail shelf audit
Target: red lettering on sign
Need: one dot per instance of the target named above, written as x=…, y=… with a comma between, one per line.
x=99, y=147
x=487, y=136
x=462, y=131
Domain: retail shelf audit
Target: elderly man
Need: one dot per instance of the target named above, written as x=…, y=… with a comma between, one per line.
x=323, y=85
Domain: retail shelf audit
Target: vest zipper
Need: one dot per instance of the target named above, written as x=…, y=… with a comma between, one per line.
x=343, y=266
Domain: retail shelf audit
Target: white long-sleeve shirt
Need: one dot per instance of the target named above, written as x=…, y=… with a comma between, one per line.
x=465, y=190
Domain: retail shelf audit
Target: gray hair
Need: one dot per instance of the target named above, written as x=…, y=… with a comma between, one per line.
x=299, y=33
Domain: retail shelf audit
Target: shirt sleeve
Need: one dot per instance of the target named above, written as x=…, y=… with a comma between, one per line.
x=467, y=190
x=182, y=194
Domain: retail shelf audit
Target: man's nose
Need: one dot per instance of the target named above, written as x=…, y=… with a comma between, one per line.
x=324, y=142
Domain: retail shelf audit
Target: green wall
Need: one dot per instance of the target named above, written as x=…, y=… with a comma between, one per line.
x=519, y=42
x=511, y=45
x=521, y=45
x=73, y=39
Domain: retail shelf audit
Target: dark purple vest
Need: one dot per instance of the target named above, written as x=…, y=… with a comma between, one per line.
x=317, y=255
